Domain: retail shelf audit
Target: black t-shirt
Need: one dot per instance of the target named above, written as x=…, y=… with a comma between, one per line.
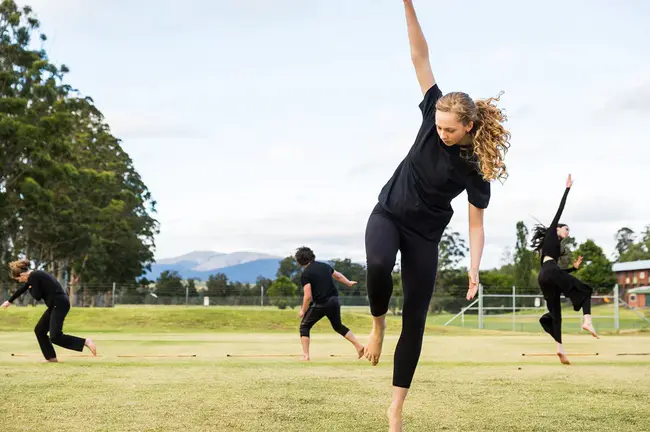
x=432, y=174
x=43, y=287
x=551, y=245
x=319, y=275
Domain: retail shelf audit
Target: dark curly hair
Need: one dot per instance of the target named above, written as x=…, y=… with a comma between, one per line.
x=304, y=255
x=539, y=233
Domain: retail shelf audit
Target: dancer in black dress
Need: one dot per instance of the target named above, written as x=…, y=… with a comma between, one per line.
x=555, y=281
x=43, y=286
x=460, y=147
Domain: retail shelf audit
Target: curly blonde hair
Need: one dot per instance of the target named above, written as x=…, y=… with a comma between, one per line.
x=16, y=268
x=490, y=140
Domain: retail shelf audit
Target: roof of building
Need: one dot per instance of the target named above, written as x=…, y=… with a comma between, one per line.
x=631, y=266
x=639, y=290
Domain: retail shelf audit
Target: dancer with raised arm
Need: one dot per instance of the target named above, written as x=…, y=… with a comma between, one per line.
x=459, y=147
x=43, y=286
x=321, y=299
x=555, y=281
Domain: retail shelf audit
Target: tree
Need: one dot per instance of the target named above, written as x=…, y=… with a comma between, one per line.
x=632, y=248
x=352, y=271
x=282, y=292
x=624, y=240
x=217, y=285
x=169, y=284
x=290, y=269
x=524, y=278
x=70, y=198
x=596, y=269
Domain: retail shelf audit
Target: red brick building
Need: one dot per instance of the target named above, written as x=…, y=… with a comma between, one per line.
x=633, y=274
x=639, y=297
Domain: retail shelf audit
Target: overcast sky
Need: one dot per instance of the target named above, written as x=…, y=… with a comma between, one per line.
x=264, y=125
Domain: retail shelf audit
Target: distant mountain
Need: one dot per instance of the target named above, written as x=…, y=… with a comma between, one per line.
x=242, y=267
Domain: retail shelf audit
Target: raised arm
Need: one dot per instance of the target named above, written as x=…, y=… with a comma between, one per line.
x=341, y=278
x=556, y=219
x=419, y=49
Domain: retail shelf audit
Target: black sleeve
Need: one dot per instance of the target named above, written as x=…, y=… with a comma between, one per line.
x=304, y=279
x=556, y=219
x=570, y=269
x=19, y=292
x=428, y=104
x=478, y=190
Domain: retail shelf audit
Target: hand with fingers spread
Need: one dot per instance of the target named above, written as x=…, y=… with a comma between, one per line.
x=577, y=262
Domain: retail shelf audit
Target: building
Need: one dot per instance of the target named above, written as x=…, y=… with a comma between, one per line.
x=639, y=297
x=630, y=275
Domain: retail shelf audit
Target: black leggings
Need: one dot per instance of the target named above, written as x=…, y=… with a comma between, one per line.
x=554, y=282
x=419, y=256
x=52, y=321
x=330, y=309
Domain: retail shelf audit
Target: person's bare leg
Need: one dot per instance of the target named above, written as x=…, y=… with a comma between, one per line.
x=353, y=339
x=395, y=410
x=589, y=326
x=561, y=355
x=91, y=346
x=304, y=340
x=376, y=339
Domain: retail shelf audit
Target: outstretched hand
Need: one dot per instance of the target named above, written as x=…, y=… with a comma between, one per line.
x=6, y=304
x=569, y=181
x=472, y=274
x=577, y=262
x=352, y=283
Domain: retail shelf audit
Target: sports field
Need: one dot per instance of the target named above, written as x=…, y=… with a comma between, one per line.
x=468, y=380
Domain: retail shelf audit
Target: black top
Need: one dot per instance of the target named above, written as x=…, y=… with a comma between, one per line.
x=43, y=287
x=319, y=275
x=432, y=174
x=551, y=244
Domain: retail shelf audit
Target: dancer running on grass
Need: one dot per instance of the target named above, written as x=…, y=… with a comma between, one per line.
x=555, y=281
x=321, y=299
x=43, y=286
x=460, y=146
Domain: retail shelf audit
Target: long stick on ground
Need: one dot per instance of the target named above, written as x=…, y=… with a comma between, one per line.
x=263, y=355
x=156, y=355
x=555, y=354
x=40, y=355
x=633, y=354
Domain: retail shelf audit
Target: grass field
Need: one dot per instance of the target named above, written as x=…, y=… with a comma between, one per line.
x=467, y=380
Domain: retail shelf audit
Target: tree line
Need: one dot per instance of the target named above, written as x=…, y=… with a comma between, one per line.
x=520, y=268
x=71, y=199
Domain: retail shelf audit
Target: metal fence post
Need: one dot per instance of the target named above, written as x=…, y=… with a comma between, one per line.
x=616, y=305
x=480, y=306
x=113, y=296
x=514, y=308
x=187, y=294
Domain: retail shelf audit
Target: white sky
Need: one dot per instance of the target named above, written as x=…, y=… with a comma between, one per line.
x=262, y=126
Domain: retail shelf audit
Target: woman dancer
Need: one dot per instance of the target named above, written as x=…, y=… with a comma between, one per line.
x=43, y=286
x=459, y=147
x=555, y=281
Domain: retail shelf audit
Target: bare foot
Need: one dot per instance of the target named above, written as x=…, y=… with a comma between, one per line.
x=361, y=350
x=375, y=342
x=52, y=360
x=563, y=358
x=590, y=329
x=91, y=346
x=305, y=357
x=394, y=419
